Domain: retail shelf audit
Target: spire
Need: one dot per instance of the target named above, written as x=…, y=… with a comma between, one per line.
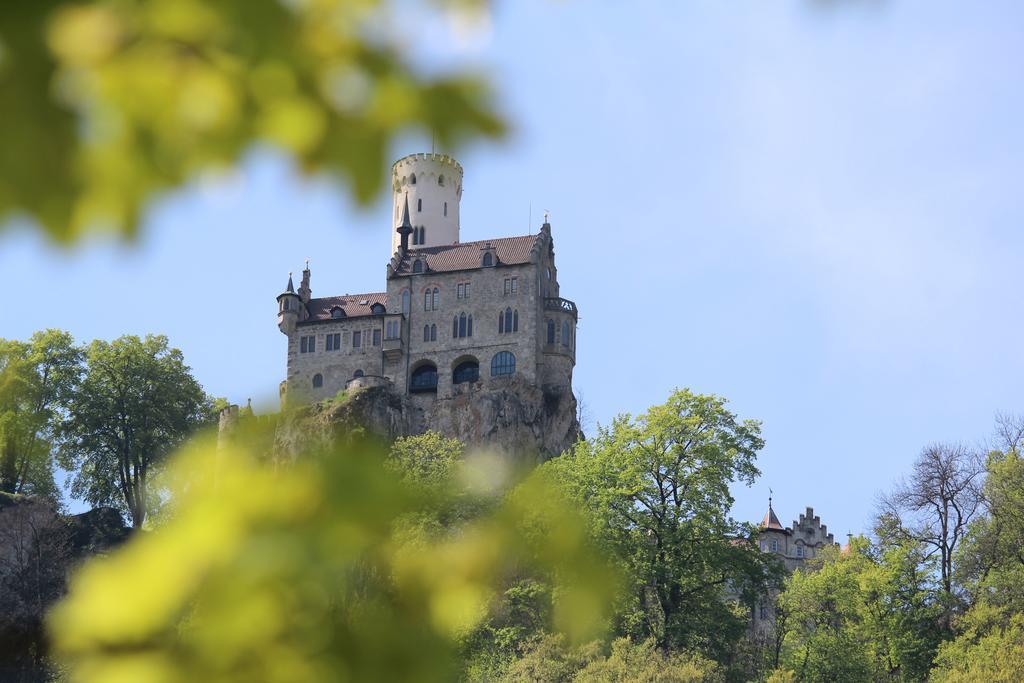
x=290, y=289
x=770, y=521
x=405, y=229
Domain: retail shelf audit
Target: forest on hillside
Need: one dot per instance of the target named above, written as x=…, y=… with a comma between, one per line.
x=422, y=560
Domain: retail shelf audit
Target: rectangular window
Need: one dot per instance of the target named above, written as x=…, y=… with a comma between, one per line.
x=392, y=330
x=460, y=291
x=467, y=290
x=357, y=339
x=303, y=345
x=337, y=341
x=307, y=344
x=376, y=337
x=329, y=342
x=515, y=284
x=508, y=286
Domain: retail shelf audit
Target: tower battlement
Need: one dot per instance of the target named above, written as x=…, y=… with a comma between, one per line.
x=432, y=186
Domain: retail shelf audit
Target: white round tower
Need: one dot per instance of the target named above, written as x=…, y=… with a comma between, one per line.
x=433, y=184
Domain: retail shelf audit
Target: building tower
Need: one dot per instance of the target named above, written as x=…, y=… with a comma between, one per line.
x=433, y=185
x=289, y=306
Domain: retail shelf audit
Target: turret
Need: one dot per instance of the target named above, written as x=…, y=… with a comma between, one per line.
x=432, y=186
x=289, y=307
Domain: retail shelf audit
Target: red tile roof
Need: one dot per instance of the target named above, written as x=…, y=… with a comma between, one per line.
x=467, y=255
x=770, y=521
x=354, y=305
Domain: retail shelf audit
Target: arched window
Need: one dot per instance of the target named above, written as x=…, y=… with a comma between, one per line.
x=424, y=378
x=417, y=266
x=337, y=312
x=426, y=333
x=440, y=180
x=318, y=380
x=357, y=374
x=405, y=301
x=488, y=259
x=515, y=321
x=433, y=333
x=455, y=327
x=446, y=208
x=508, y=319
x=415, y=236
x=419, y=204
x=469, y=332
x=565, y=333
x=551, y=331
x=412, y=179
x=426, y=300
x=437, y=298
x=377, y=309
x=423, y=235
x=501, y=322
x=468, y=371
x=462, y=325
x=503, y=363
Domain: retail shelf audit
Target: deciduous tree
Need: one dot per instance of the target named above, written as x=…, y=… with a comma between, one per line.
x=136, y=404
x=657, y=488
x=37, y=379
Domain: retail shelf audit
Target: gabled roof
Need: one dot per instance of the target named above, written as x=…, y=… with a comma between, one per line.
x=354, y=305
x=468, y=255
x=770, y=521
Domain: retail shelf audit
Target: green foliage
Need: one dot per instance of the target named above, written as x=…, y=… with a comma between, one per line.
x=426, y=459
x=106, y=103
x=549, y=660
x=990, y=648
x=305, y=573
x=990, y=641
x=657, y=490
x=37, y=379
x=137, y=403
x=868, y=613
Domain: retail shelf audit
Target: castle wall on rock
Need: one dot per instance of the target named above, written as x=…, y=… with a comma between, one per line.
x=457, y=327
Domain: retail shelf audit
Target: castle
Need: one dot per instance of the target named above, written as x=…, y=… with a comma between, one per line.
x=454, y=315
x=793, y=546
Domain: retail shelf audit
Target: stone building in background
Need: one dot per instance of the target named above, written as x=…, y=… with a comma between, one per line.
x=794, y=546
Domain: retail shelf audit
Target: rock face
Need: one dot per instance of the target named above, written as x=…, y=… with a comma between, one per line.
x=513, y=417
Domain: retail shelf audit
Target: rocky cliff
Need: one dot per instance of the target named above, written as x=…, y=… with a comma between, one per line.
x=510, y=416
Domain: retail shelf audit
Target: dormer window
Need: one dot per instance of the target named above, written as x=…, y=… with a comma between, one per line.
x=337, y=313
x=488, y=259
x=417, y=266
x=377, y=309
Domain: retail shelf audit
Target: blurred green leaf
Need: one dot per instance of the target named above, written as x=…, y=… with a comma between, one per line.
x=108, y=103
x=307, y=573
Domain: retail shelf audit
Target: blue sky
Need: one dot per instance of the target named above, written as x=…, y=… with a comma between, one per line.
x=815, y=213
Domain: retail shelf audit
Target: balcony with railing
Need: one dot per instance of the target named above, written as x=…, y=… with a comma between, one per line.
x=557, y=303
x=394, y=336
